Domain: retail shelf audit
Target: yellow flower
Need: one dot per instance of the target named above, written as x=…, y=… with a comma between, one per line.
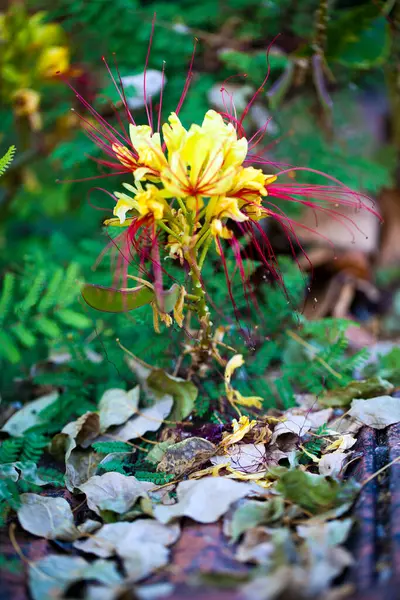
x=234, y=363
x=146, y=201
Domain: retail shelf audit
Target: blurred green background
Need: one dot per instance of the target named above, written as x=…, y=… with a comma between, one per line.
x=332, y=97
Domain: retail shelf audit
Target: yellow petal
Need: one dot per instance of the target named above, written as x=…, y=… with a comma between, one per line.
x=234, y=363
x=240, y=429
x=174, y=133
x=124, y=204
x=249, y=401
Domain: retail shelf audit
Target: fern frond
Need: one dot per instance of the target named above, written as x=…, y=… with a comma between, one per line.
x=6, y=160
x=110, y=447
x=156, y=478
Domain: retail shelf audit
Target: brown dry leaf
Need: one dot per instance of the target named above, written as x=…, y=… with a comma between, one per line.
x=186, y=455
x=116, y=406
x=149, y=419
x=293, y=427
x=81, y=432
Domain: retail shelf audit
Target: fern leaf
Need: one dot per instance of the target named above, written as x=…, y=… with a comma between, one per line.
x=8, y=348
x=110, y=447
x=33, y=447
x=10, y=450
x=156, y=478
x=6, y=295
x=6, y=160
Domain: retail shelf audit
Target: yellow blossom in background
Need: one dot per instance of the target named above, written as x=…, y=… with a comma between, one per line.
x=53, y=60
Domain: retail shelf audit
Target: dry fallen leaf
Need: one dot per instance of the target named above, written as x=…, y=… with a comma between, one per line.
x=29, y=415
x=47, y=517
x=331, y=464
x=186, y=455
x=112, y=491
x=116, y=406
x=142, y=545
x=203, y=500
x=377, y=412
x=150, y=419
x=295, y=425
x=51, y=576
x=248, y=458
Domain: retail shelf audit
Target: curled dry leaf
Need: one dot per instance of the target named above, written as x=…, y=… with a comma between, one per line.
x=24, y=471
x=112, y=491
x=47, y=517
x=142, y=545
x=203, y=500
x=294, y=425
x=80, y=466
x=322, y=552
x=377, y=412
x=186, y=455
x=77, y=433
x=266, y=547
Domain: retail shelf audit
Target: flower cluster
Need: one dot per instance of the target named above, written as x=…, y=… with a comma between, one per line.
x=193, y=183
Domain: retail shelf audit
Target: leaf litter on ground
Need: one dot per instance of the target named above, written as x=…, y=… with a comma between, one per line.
x=261, y=475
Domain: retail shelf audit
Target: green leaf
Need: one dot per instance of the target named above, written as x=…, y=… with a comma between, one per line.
x=359, y=38
x=24, y=335
x=74, y=319
x=253, y=513
x=6, y=160
x=115, y=300
x=314, y=493
x=47, y=327
x=111, y=447
x=183, y=392
x=158, y=451
x=368, y=388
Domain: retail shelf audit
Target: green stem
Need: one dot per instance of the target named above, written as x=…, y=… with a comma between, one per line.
x=204, y=251
x=168, y=230
x=201, y=305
